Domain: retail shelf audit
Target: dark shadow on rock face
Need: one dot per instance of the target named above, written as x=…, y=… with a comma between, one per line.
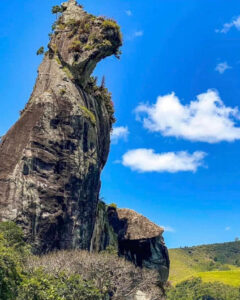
x=149, y=252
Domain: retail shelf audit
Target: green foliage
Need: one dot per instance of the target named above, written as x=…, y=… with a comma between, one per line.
x=12, y=234
x=111, y=249
x=114, y=205
x=87, y=27
x=102, y=95
x=68, y=72
x=40, y=51
x=101, y=206
x=72, y=23
x=54, y=26
x=225, y=253
x=61, y=26
x=195, y=289
x=76, y=45
x=191, y=261
x=62, y=92
x=20, y=283
x=42, y=286
x=58, y=60
x=57, y=9
x=13, y=252
x=88, y=47
x=110, y=24
x=230, y=277
x=88, y=114
x=10, y=270
x=54, y=47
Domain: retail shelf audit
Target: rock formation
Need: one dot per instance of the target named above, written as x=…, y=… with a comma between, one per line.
x=51, y=159
x=133, y=236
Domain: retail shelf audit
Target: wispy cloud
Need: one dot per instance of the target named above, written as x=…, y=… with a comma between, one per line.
x=168, y=229
x=119, y=133
x=205, y=119
x=146, y=160
x=129, y=13
x=227, y=26
x=138, y=33
x=228, y=228
x=222, y=67
x=134, y=35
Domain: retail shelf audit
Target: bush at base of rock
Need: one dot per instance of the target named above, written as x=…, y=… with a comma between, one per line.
x=67, y=275
x=42, y=286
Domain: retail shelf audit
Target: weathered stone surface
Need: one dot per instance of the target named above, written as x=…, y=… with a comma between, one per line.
x=138, y=239
x=140, y=296
x=104, y=235
x=51, y=159
x=141, y=242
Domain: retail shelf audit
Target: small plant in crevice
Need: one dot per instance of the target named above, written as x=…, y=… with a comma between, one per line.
x=101, y=93
x=56, y=9
x=40, y=51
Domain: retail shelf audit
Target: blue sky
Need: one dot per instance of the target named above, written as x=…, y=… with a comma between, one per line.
x=185, y=47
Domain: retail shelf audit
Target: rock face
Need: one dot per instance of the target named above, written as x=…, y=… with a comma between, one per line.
x=51, y=159
x=132, y=236
x=140, y=241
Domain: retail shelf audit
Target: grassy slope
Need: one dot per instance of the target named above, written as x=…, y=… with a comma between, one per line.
x=217, y=262
x=231, y=277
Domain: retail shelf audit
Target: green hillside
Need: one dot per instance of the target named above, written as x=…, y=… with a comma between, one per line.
x=216, y=262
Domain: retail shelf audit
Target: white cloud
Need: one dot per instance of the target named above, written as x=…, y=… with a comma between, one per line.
x=168, y=228
x=146, y=160
x=138, y=33
x=205, y=119
x=222, y=67
x=119, y=133
x=228, y=228
x=227, y=26
x=134, y=35
x=129, y=13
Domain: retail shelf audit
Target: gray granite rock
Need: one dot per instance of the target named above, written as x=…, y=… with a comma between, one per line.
x=51, y=159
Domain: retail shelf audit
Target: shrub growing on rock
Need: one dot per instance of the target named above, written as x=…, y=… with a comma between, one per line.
x=40, y=51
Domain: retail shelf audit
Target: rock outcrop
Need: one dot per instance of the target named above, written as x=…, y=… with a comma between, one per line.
x=51, y=159
x=140, y=241
x=132, y=236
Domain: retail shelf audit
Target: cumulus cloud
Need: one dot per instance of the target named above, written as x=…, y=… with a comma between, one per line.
x=119, y=133
x=227, y=26
x=222, y=67
x=205, y=119
x=168, y=228
x=129, y=13
x=146, y=160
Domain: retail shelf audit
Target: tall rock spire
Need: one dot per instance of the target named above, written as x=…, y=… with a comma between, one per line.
x=51, y=159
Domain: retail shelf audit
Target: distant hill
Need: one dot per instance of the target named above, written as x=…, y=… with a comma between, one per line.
x=216, y=262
